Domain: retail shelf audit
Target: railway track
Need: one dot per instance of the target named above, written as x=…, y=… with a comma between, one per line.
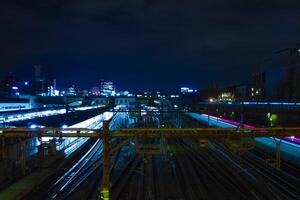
x=196, y=174
x=286, y=184
x=285, y=166
x=89, y=164
x=213, y=178
x=78, y=173
x=279, y=184
x=120, y=183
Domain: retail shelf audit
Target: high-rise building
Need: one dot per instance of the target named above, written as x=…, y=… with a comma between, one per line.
x=39, y=84
x=107, y=88
x=281, y=77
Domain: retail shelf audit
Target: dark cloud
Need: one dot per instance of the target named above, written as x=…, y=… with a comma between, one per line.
x=152, y=43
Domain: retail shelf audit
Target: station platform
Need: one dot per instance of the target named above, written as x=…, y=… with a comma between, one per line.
x=24, y=186
x=32, y=181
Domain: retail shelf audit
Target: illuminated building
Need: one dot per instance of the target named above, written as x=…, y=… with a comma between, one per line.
x=107, y=88
x=21, y=102
x=51, y=90
x=125, y=101
x=72, y=91
x=187, y=90
x=248, y=92
x=226, y=96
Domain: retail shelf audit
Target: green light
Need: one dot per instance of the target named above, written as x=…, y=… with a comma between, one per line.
x=272, y=118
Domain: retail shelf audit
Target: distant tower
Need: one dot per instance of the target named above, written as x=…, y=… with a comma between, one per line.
x=37, y=72
x=39, y=83
x=54, y=84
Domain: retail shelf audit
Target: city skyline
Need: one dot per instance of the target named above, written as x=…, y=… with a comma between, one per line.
x=145, y=46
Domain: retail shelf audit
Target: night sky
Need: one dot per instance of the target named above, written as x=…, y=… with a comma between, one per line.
x=144, y=44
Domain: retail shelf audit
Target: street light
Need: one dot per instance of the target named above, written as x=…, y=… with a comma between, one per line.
x=272, y=118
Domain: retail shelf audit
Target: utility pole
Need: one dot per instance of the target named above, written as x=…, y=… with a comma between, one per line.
x=104, y=190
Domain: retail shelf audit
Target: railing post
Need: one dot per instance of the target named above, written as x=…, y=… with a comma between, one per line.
x=277, y=153
x=23, y=155
x=3, y=150
x=104, y=190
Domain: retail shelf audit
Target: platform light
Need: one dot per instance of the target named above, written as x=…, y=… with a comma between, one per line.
x=33, y=126
x=184, y=89
x=292, y=137
x=64, y=126
x=14, y=88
